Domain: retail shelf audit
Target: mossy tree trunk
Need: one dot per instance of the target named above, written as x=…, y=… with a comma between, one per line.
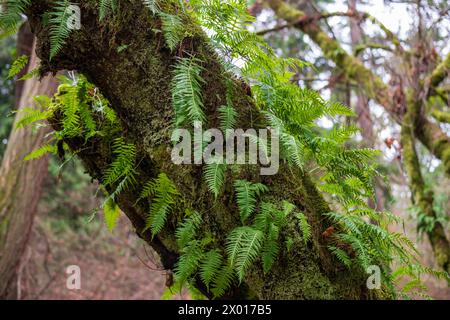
x=137, y=83
x=20, y=186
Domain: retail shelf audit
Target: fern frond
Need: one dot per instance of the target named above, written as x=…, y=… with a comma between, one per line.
x=106, y=7
x=246, y=196
x=223, y=281
x=186, y=89
x=304, y=226
x=31, y=116
x=172, y=28
x=189, y=261
x=123, y=164
x=163, y=191
x=215, y=175
x=227, y=115
x=41, y=151
x=243, y=248
x=153, y=5
x=210, y=266
x=341, y=255
x=11, y=14
x=18, y=65
x=186, y=232
x=271, y=248
x=59, y=26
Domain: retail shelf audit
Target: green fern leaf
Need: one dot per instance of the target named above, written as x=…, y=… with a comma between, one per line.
x=41, y=151
x=215, y=175
x=243, y=247
x=304, y=226
x=210, y=266
x=246, y=196
x=18, y=65
x=163, y=191
x=187, y=91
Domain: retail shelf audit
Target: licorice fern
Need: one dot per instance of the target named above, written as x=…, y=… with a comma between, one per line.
x=18, y=65
x=162, y=192
x=187, y=91
x=247, y=194
x=243, y=247
x=59, y=27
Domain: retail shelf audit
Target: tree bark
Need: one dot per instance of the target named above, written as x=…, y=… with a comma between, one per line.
x=20, y=187
x=137, y=83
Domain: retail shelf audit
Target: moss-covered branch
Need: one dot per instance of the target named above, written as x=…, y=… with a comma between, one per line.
x=137, y=83
x=422, y=198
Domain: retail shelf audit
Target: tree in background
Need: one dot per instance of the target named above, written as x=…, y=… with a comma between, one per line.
x=21, y=181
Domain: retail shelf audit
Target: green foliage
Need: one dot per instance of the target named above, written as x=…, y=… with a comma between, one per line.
x=123, y=165
x=210, y=266
x=215, y=175
x=106, y=7
x=172, y=28
x=59, y=27
x=186, y=91
x=243, y=248
x=227, y=116
x=153, y=6
x=187, y=230
x=18, y=65
x=10, y=15
x=304, y=226
x=162, y=191
x=247, y=194
x=41, y=151
x=111, y=213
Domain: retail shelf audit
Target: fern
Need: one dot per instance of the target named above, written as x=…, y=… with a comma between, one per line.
x=186, y=91
x=153, y=5
x=41, y=151
x=227, y=115
x=304, y=226
x=271, y=248
x=106, y=7
x=341, y=255
x=59, y=27
x=215, y=175
x=246, y=196
x=243, y=248
x=172, y=28
x=223, y=281
x=10, y=14
x=123, y=165
x=189, y=261
x=210, y=266
x=163, y=192
x=111, y=213
x=18, y=65
x=31, y=116
x=186, y=232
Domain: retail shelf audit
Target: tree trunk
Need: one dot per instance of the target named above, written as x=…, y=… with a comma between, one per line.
x=20, y=187
x=137, y=83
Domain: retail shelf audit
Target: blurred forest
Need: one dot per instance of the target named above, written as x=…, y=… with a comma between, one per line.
x=373, y=56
